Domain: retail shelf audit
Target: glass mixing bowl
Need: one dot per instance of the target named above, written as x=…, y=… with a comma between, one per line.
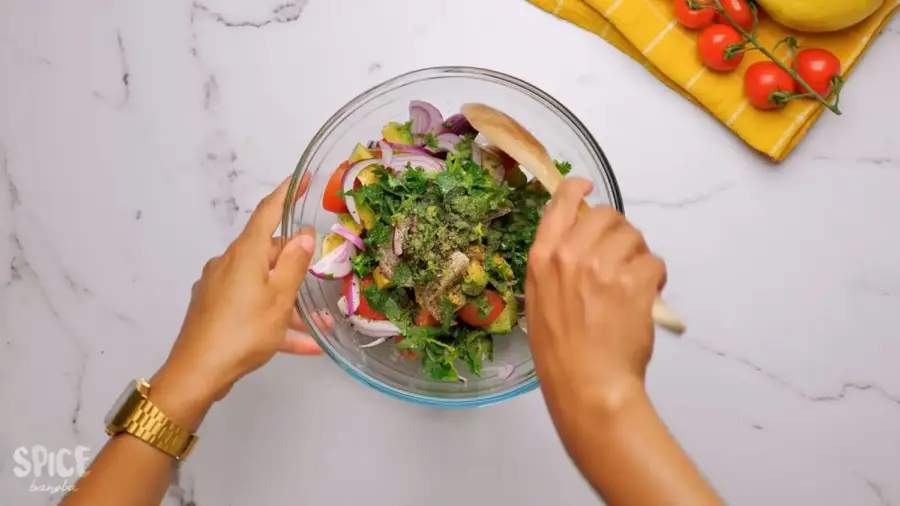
x=566, y=138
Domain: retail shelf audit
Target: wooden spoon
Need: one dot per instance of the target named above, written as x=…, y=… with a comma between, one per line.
x=517, y=142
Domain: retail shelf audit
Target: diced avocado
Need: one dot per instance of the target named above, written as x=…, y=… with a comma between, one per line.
x=396, y=133
x=456, y=297
x=381, y=281
x=515, y=177
x=476, y=252
x=350, y=224
x=476, y=279
x=500, y=267
x=507, y=319
x=366, y=216
x=360, y=153
x=367, y=176
x=331, y=242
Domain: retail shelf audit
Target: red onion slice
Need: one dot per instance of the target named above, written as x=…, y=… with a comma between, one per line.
x=425, y=117
x=353, y=295
x=520, y=299
x=397, y=242
x=342, y=306
x=427, y=163
x=476, y=154
x=502, y=371
x=459, y=125
x=409, y=148
x=345, y=232
x=347, y=183
x=386, y=152
x=373, y=328
x=380, y=340
x=448, y=141
x=399, y=235
x=336, y=264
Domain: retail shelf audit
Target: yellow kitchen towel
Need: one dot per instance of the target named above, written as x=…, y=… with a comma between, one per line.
x=647, y=31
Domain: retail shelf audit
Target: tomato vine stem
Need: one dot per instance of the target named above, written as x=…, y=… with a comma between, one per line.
x=753, y=40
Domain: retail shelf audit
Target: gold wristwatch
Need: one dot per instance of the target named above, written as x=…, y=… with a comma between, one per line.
x=135, y=414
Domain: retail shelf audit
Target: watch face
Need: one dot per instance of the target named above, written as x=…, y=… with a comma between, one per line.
x=123, y=398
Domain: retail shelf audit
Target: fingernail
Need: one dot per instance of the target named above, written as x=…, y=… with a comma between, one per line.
x=308, y=243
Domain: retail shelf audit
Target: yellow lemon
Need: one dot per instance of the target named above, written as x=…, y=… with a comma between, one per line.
x=819, y=15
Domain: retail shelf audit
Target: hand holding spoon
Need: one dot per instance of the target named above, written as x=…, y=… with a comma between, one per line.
x=517, y=142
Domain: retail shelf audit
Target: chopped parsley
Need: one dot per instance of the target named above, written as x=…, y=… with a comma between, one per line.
x=364, y=263
x=483, y=305
x=405, y=129
x=430, y=140
x=563, y=167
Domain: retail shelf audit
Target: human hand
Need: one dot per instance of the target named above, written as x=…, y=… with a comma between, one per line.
x=590, y=288
x=239, y=313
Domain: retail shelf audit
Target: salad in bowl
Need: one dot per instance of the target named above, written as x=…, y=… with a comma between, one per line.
x=432, y=233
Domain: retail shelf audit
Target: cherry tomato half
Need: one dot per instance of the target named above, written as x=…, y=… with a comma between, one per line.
x=694, y=19
x=332, y=200
x=426, y=319
x=406, y=353
x=365, y=310
x=739, y=11
x=817, y=67
x=764, y=78
x=471, y=315
x=712, y=44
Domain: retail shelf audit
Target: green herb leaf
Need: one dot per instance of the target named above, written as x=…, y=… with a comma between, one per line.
x=476, y=346
x=403, y=275
x=448, y=313
x=563, y=167
x=483, y=304
x=363, y=263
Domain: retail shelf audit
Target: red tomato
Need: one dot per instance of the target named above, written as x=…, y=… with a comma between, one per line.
x=426, y=319
x=764, y=78
x=332, y=201
x=817, y=67
x=365, y=310
x=471, y=315
x=739, y=11
x=694, y=19
x=406, y=353
x=713, y=43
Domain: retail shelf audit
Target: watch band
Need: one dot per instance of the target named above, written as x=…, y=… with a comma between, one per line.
x=135, y=414
x=151, y=425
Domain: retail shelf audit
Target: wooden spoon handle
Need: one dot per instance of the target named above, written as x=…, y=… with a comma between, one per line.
x=662, y=315
x=666, y=318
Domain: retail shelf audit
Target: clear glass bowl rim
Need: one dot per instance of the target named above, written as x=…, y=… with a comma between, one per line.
x=395, y=82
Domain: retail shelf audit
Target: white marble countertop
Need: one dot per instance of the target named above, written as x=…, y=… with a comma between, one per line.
x=136, y=136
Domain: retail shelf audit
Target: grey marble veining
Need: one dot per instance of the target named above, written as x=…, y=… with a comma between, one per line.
x=135, y=138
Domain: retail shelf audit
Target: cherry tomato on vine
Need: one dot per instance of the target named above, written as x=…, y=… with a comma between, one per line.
x=713, y=43
x=817, y=67
x=694, y=19
x=764, y=78
x=739, y=11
